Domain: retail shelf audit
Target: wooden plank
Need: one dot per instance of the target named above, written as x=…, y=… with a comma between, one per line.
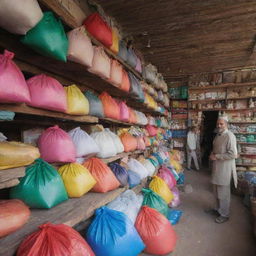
x=12, y=173
x=9, y=184
x=226, y=85
x=242, y=122
x=250, y=165
x=114, y=158
x=246, y=143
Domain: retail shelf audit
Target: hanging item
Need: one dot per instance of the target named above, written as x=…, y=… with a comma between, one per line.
x=15, y=154
x=117, y=142
x=125, y=85
x=115, y=40
x=41, y=187
x=96, y=107
x=137, y=167
x=129, y=142
x=77, y=102
x=55, y=240
x=47, y=93
x=110, y=106
x=55, y=145
x=101, y=63
x=133, y=179
x=156, y=231
x=84, y=143
x=13, y=87
x=117, y=238
x=131, y=57
x=19, y=17
x=120, y=173
x=77, y=179
x=13, y=215
x=106, y=180
x=116, y=73
x=48, y=38
x=124, y=111
x=123, y=52
x=80, y=49
x=99, y=29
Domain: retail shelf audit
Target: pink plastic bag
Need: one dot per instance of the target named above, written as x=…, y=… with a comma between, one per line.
x=46, y=92
x=116, y=73
x=152, y=130
x=13, y=87
x=167, y=176
x=176, y=197
x=140, y=143
x=124, y=112
x=56, y=145
x=138, y=65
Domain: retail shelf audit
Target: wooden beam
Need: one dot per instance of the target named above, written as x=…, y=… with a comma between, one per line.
x=12, y=173
x=8, y=184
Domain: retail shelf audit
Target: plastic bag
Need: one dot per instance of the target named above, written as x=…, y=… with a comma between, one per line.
x=40, y=181
x=46, y=92
x=13, y=87
x=138, y=65
x=156, y=231
x=149, y=166
x=159, y=158
x=129, y=142
x=15, y=154
x=96, y=107
x=152, y=131
x=13, y=215
x=125, y=85
x=174, y=216
x=153, y=200
x=133, y=179
x=106, y=180
x=167, y=176
x=161, y=188
x=112, y=233
x=120, y=173
x=117, y=142
x=110, y=106
x=132, y=116
x=19, y=17
x=137, y=167
x=115, y=41
x=123, y=52
x=84, y=143
x=7, y=115
x=140, y=143
x=48, y=38
x=77, y=102
x=116, y=73
x=55, y=145
x=99, y=29
x=55, y=240
x=124, y=112
x=131, y=58
x=135, y=88
x=181, y=179
x=176, y=197
x=77, y=179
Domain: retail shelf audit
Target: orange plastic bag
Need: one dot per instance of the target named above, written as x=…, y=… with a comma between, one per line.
x=132, y=116
x=106, y=180
x=129, y=142
x=156, y=231
x=110, y=106
x=125, y=85
x=57, y=240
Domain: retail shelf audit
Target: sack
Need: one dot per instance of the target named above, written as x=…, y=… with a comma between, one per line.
x=167, y=176
x=118, y=237
x=48, y=38
x=101, y=63
x=132, y=116
x=84, y=143
x=153, y=200
x=152, y=130
x=174, y=216
x=55, y=145
x=47, y=93
x=133, y=179
x=19, y=17
x=149, y=166
x=99, y=29
x=140, y=143
x=117, y=142
x=138, y=65
x=110, y=106
x=115, y=41
x=40, y=181
x=123, y=52
x=96, y=107
x=77, y=102
x=106, y=180
x=161, y=188
x=150, y=73
x=131, y=58
x=13, y=87
x=135, y=88
x=77, y=179
x=176, y=197
x=120, y=173
x=15, y=154
x=116, y=73
x=80, y=49
x=124, y=112
x=129, y=142
x=155, y=231
x=55, y=239
x=125, y=85
x=13, y=215
x=137, y=167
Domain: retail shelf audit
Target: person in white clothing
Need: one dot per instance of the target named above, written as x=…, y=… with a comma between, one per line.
x=191, y=148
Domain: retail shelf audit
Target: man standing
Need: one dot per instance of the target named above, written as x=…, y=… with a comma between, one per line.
x=223, y=156
x=191, y=148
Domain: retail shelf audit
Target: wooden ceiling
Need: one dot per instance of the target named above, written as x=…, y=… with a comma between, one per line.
x=182, y=37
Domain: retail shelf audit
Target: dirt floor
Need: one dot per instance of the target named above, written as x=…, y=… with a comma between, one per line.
x=199, y=235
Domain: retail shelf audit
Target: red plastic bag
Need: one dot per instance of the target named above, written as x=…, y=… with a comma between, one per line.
x=13, y=215
x=55, y=240
x=152, y=130
x=110, y=106
x=106, y=180
x=99, y=29
x=156, y=231
x=129, y=142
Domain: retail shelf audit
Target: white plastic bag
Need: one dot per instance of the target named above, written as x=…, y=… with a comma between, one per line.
x=138, y=168
x=149, y=166
x=116, y=140
x=84, y=144
x=20, y=16
x=2, y=137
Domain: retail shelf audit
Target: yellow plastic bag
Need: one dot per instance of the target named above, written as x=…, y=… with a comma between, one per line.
x=15, y=154
x=176, y=165
x=159, y=186
x=77, y=179
x=77, y=102
x=115, y=41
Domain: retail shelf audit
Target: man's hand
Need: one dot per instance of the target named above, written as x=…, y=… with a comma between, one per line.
x=213, y=157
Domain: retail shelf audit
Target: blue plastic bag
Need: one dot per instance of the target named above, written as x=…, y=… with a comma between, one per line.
x=159, y=158
x=133, y=179
x=7, y=115
x=181, y=179
x=174, y=216
x=96, y=107
x=112, y=233
x=120, y=173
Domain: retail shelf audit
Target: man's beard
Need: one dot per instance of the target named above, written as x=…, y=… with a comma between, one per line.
x=221, y=130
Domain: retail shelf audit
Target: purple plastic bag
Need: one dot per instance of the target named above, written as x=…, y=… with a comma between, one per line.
x=176, y=197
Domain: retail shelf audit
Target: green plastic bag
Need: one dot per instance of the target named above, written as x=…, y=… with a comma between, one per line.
x=184, y=92
x=48, y=38
x=42, y=186
x=153, y=200
x=153, y=162
x=96, y=107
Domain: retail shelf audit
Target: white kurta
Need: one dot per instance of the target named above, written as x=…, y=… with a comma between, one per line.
x=225, y=150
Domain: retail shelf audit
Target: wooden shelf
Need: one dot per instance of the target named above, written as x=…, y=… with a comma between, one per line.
x=206, y=100
x=249, y=165
x=246, y=143
x=12, y=173
x=221, y=109
x=121, y=155
x=246, y=133
x=242, y=122
x=109, y=120
x=247, y=154
x=241, y=98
